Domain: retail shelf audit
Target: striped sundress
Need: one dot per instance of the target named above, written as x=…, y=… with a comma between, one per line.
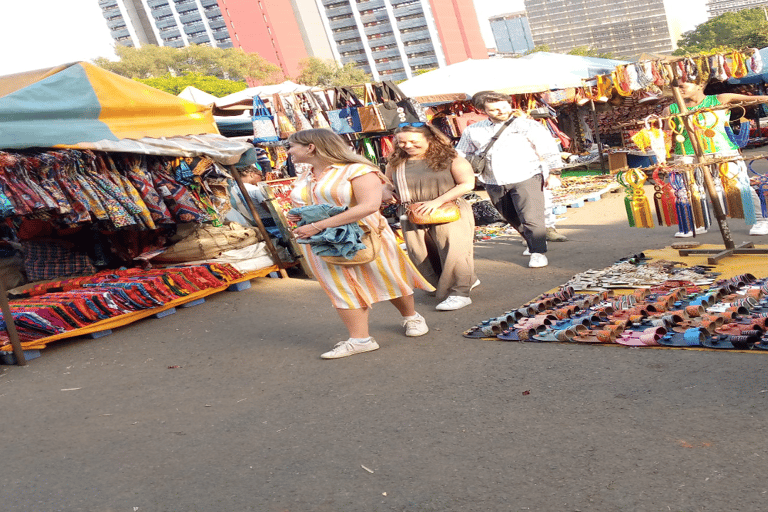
x=389, y=276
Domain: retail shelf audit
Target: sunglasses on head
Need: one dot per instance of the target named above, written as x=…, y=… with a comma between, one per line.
x=415, y=125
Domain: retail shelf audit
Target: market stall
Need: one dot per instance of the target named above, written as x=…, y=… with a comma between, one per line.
x=99, y=172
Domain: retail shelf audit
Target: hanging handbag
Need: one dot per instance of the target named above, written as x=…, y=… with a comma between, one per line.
x=370, y=117
x=387, y=107
x=263, y=124
x=372, y=240
x=478, y=161
x=345, y=118
x=447, y=212
x=316, y=116
x=283, y=121
x=298, y=118
x=412, y=111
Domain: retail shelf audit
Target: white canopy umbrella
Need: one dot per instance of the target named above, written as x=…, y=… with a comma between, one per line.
x=512, y=76
x=264, y=92
x=195, y=95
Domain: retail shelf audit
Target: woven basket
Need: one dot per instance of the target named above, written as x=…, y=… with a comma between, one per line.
x=207, y=242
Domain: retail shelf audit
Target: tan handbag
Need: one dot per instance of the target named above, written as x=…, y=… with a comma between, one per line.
x=447, y=212
x=370, y=117
x=372, y=240
x=284, y=123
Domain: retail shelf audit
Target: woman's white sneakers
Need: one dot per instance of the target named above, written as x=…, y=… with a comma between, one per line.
x=349, y=347
x=453, y=303
x=416, y=326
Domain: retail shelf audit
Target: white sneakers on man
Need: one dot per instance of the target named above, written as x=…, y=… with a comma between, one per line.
x=688, y=234
x=538, y=260
x=454, y=302
x=759, y=228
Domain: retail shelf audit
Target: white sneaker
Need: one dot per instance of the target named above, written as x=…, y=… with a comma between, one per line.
x=348, y=348
x=415, y=326
x=760, y=228
x=453, y=303
x=474, y=285
x=689, y=234
x=527, y=252
x=538, y=260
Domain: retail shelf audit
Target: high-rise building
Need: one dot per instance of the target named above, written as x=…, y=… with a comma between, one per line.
x=625, y=28
x=390, y=39
x=718, y=7
x=511, y=32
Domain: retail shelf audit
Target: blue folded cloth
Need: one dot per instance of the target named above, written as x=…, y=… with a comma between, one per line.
x=342, y=240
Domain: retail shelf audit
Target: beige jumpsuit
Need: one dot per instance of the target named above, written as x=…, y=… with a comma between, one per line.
x=443, y=253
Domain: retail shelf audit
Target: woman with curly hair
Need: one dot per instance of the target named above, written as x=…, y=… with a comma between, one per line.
x=435, y=174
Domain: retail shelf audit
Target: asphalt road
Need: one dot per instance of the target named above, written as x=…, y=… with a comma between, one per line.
x=227, y=407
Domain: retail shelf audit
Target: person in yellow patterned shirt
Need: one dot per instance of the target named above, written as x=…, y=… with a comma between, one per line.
x=339, y=177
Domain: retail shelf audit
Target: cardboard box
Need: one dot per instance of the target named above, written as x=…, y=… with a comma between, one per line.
x=617, y=161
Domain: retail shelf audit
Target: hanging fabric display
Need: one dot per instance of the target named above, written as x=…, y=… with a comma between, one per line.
x=652, y=137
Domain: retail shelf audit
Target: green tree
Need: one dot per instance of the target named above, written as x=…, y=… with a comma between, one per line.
x=219, y=87
x=321, y=73
x=747, y=28
x=151, y=61
x=586, y=51
x=539, y=48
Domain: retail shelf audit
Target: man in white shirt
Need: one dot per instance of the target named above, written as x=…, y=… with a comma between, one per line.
x=518, y=168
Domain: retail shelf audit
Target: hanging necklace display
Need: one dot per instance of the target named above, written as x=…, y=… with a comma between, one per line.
x=664, y=200
x=627, y=198
x=698, y=198
x=677, y=127
x=732, y=196
x=636, y=202
x=705, y=134
x=682, y=202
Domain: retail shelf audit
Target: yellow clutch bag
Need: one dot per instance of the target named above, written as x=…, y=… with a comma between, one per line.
x=448, y=212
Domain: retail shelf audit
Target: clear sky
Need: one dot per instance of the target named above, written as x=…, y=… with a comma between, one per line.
x=43, y=33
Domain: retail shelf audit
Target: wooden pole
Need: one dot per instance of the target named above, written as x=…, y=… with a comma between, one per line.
x=597, y=136
x=10, y=326
x=252, y=208
x=709, y=184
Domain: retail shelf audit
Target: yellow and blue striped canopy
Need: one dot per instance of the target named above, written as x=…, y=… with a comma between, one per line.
x=82, y=103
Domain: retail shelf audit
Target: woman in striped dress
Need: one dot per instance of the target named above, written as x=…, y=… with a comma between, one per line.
x=339, y=177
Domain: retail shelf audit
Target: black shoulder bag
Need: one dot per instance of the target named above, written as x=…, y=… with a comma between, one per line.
x=478, y=161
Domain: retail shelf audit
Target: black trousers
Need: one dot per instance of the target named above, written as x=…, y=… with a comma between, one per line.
x=522, y=205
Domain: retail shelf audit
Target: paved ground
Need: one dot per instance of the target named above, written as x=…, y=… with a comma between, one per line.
x=252, y=420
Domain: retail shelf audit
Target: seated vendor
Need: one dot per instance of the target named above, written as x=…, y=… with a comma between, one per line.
x=240, y=212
